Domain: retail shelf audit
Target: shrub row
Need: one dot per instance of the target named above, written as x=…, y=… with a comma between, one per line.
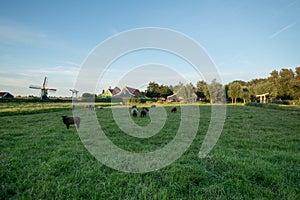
x=273, y=106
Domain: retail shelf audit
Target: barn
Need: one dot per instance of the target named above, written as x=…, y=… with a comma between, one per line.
x=6, y=95
x=129, y=92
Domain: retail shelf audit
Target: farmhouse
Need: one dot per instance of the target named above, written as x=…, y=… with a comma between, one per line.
x=110, y=92
x=129, y=92
x=6, y=95
x=173, y=98
x=177, y=98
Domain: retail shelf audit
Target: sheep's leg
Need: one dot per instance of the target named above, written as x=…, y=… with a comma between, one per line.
x=68, y=126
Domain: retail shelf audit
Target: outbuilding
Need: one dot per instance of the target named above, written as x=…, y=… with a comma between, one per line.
x=6, y=95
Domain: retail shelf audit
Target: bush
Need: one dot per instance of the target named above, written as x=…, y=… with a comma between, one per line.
x=254, y=104
x=99, y=99
x=134, y=100
x=294, y=102
x=159, y=101
x=274, y=106
x=283, y=102
x=147, y=100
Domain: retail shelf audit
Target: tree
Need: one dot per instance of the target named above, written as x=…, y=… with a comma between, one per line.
x=274, y=75
x=152, y=90
x=216, y=92
x=185, y=92
x=234, y=91
x=155, y=90
x=201, y=89
x=88, y=95
x=264, y=86
x=285, y=89
x=164, y=91
x=296, y=84
x=245, y=94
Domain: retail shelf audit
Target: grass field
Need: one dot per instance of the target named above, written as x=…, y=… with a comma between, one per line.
x=256, y=157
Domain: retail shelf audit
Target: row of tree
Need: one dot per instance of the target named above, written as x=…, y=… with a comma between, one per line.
x=283, y=85
x=214, y=92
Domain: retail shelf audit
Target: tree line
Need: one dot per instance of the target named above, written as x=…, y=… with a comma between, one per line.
x=280, y=85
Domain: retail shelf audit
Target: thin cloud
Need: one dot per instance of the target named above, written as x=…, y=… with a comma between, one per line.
x=11, y=33
x=72, y=63
x=62, y=74
x=292, y=3
x=57, y=70
x=281, y=30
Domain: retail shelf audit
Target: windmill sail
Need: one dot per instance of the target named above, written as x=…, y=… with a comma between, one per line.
x=34, y=87
x=50, y=89
x=45, y=82
x=44, y=90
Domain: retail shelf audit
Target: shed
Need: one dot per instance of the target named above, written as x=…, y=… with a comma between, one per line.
x=173, y=98
x=6, y=95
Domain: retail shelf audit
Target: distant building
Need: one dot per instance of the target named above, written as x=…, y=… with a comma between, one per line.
x=173, y=98
x=177, y=98
x=110, y=92
x=129, y=92
x=6, y=95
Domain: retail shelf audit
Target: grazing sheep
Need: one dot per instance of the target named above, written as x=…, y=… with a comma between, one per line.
x=100, y=107
x=144, y=112
x=134, y=112
x=174, y=109
x=91, y=107
x=71, y=120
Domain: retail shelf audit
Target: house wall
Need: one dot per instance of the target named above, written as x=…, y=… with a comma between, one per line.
x=107, y=94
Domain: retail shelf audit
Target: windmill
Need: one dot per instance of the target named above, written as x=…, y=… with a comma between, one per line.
x=44, y=90
x=74, y=92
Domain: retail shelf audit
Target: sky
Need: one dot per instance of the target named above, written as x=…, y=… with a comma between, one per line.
x=244, y=39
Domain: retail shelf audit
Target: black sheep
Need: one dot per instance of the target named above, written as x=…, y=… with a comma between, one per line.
x=174, y=109
x=71, y=120
x=144, y=112
x=134, y=113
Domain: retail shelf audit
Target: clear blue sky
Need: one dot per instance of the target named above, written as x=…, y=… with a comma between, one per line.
x=245, y=39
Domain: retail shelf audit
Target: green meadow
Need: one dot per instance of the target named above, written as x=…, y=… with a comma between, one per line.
x=256, y=157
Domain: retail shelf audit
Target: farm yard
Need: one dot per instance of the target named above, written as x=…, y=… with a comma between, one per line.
x=257, y=156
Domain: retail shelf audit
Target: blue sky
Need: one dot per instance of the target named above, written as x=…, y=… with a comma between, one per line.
x=245, y=39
